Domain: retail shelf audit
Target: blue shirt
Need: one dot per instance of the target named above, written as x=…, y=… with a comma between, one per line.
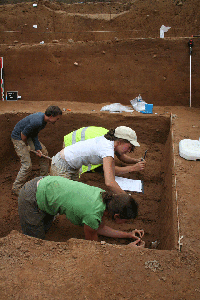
x=30, y=127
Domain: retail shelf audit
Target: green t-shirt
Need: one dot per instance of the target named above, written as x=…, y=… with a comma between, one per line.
x=81, y=203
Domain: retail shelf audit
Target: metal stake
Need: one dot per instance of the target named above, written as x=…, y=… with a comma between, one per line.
x=190, y=44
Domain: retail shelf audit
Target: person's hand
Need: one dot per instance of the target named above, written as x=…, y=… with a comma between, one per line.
x=28, y=148
x=137, y=244
x=137, y=167
x=39, y=153
x=140, y=165
x=137, y=234
x=139, y=159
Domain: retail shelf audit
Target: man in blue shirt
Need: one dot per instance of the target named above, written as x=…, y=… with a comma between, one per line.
x=25, y=133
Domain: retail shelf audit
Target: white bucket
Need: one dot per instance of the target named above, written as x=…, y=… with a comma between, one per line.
x=189, y=149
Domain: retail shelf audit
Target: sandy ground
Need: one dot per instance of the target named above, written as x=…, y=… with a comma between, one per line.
x=65, y=266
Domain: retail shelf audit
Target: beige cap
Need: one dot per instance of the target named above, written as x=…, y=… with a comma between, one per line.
x=126, y=133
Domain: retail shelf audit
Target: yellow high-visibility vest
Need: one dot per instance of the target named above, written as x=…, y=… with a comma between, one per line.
x=82, y=134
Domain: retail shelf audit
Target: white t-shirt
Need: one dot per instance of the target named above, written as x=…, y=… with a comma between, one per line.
x=88, y=152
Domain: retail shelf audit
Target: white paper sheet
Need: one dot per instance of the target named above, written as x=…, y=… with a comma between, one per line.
x=130, y=184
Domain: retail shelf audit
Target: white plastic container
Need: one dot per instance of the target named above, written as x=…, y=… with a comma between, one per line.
x=189, y=149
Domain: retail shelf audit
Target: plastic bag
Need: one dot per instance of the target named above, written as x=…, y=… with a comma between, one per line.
x=138, y=104
x=116, y=107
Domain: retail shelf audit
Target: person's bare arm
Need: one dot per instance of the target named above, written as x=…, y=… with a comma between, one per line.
x=128, y=169
x=92, y=234
x=137, y=165
x=109, y=175
x=110, y=232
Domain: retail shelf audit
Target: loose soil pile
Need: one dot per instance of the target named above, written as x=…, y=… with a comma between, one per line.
x=113, y=66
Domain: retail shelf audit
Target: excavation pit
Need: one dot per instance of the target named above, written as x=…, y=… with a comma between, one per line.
x=156, y=207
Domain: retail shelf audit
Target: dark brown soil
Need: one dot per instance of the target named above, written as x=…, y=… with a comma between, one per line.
x=112, y=67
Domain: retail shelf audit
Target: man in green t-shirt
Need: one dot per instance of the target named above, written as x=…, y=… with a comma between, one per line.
x=42, y=198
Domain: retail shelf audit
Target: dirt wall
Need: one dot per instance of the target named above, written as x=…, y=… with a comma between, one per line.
x=167, y=211
x=115, y=59
x=106, y=72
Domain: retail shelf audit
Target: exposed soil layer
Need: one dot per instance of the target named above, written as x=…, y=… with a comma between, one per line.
x=117, y=58
x=119, y=55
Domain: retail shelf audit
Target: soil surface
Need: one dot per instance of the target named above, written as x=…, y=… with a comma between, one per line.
x=113, y=66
